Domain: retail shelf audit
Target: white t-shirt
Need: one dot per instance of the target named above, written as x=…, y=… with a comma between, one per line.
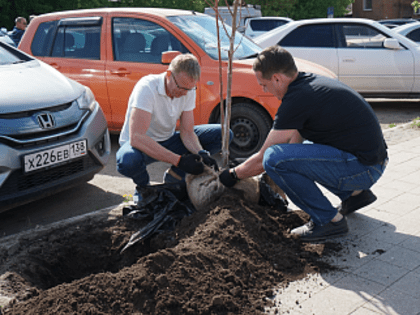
x=149, y=94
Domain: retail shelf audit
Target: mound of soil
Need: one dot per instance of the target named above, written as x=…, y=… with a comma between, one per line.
x=224, y=260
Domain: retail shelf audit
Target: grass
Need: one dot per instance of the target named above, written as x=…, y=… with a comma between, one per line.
x=416, y=123
x=392, y=125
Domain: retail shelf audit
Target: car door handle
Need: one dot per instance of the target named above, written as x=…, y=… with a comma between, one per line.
x=55, y=66
x=120, y=72
x=349, y=60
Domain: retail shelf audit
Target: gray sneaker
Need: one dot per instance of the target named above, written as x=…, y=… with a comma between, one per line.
x=310, y=232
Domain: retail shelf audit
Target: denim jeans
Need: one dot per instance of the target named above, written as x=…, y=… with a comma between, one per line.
x=132, y=162
x=297, y=168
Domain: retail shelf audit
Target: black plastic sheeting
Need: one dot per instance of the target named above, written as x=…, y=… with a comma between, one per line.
x=166, y=204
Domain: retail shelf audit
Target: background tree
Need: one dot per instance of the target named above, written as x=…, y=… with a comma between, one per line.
x=416, y=5
x=301, y=9
x=295, y=9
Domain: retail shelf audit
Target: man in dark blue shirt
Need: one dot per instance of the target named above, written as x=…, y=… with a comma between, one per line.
x=345, y=151
x=17, y=32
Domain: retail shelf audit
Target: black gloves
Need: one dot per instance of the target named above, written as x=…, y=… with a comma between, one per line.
x=227, y=178
x=209, y=161
x=191, y=164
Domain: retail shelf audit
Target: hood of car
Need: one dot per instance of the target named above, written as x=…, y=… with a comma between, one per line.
x=301, y=64
x=39, y=85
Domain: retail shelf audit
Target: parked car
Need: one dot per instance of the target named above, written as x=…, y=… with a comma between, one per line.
x=110, y=49
x=391, y=23
x=5, y=38
x=259, y=25
x=410, y=30
x=364, y=54
x=243, y=14
x=53, y=134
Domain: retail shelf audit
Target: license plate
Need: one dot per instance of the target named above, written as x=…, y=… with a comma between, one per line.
x=51, y=157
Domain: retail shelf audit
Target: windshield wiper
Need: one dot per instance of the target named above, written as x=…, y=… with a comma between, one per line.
x=249, y=57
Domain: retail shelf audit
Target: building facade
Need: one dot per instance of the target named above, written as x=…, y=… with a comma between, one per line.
x=384, y=9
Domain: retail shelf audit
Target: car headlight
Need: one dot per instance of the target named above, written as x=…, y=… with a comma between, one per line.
x=86, y=100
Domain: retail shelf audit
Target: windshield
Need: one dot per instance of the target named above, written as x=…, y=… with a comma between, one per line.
x=202, y=30
x=8, y=55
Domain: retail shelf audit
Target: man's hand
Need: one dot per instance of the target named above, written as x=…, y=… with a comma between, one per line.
x=208, y=160
x=228, y=178
x=191, y=164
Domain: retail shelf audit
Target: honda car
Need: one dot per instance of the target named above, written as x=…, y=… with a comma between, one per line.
x=53, y=133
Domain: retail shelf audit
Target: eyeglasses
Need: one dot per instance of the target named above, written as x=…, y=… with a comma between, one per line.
x=180, y=87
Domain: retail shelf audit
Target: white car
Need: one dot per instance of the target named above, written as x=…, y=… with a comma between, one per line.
x=259, y=25
x=367, y=56
x=410, y=30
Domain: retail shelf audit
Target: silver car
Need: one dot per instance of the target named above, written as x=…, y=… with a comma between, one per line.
x=5, y=38
x=53, y=133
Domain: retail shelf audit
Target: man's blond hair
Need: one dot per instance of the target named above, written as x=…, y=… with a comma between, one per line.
x=186, y=63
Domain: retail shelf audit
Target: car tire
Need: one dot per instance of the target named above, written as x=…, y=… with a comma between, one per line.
x=250, y=126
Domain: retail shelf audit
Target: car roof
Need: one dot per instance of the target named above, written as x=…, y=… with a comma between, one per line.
x=334, y=20
x=394, y=21
x=406, y=27
x=271, y=18
x=297, y=23
x=163, y=12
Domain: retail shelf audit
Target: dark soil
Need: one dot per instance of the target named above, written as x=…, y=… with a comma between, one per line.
x=226, y=260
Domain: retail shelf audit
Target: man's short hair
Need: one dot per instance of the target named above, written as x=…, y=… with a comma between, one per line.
x=20, y=19
x=186, y=63
x=274, y=59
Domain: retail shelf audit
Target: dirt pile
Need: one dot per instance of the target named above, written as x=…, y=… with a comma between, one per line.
x=224, y=260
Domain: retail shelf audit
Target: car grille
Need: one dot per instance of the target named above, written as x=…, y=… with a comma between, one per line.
x=29, y=113
x=19, y=182
x=35, y=136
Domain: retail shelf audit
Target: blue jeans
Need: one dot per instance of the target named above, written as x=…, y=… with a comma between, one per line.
x=296, y=168
x=132, y=162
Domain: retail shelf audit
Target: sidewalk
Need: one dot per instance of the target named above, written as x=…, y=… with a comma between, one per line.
x=381, y=254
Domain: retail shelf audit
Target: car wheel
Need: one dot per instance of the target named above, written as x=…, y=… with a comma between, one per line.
x=250, y=126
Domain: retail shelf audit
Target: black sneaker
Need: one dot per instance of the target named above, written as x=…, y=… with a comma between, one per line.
x=365, y=198
x=310, y=232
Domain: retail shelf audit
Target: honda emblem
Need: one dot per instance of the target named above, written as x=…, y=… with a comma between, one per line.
x=46, y=121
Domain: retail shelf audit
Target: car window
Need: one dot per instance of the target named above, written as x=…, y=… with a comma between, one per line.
x=310, y=36
x=81, y=42
x=139, y=40
x=414, y=35
x=202, y=30
x=362, y=36
x=8, y=55
x=44, y=35
x=265, y=25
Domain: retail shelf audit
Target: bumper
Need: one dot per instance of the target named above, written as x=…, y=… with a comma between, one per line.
x=17, y=188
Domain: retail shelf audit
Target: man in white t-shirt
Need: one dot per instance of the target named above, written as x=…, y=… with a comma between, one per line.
x=148, y=134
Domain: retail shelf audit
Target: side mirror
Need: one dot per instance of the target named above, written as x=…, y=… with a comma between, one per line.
x=391, y=43
x=168, y=56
